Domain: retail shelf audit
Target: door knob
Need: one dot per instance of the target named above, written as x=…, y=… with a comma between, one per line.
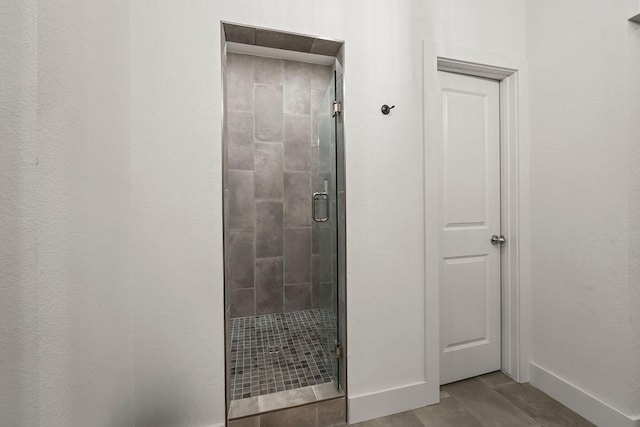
x=498, y=240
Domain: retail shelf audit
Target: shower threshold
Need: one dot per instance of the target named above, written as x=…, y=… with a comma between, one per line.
x=252, y=406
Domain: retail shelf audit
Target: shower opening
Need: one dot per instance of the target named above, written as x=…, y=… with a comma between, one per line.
x=284, y=222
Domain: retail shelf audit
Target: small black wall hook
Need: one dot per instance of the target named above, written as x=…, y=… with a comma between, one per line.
x=386, y=109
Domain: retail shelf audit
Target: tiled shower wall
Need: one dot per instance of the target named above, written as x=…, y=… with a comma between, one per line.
x=274, y=254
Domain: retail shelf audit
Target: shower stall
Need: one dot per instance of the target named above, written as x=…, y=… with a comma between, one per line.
x=284, y=219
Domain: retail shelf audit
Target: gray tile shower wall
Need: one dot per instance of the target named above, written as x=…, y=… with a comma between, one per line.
x=271, y=141
x=269, y=229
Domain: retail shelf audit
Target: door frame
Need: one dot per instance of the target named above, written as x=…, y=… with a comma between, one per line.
x=338, y=68
x=511, y=73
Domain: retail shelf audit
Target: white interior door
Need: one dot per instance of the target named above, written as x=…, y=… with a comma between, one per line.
x=470, y=336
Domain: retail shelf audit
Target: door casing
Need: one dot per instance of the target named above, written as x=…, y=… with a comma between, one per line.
x=511, y=73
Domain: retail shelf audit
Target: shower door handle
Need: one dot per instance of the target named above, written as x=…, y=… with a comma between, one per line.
x=316, y=198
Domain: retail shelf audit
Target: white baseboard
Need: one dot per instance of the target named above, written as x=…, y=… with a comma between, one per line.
x=387, y=402
x=580, y=401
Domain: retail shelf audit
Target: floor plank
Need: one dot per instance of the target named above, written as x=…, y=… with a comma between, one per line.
x=404, y=419
x=449, y=413
x=495, y=379
x=542, y=408
x=486, y=405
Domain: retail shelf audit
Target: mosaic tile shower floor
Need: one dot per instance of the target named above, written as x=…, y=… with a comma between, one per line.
x=277, y=352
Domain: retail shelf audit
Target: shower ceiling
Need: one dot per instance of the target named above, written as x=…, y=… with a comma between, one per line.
x=279, y=40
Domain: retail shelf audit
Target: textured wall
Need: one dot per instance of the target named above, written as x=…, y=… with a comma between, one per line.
x=633, y=70
x=65, y=337
x=273, y=157
x=584, y=194
x=18, y=215
x=176, y=239
x=85, y=313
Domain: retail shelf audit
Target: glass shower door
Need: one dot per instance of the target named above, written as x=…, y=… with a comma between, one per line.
x=325, y=230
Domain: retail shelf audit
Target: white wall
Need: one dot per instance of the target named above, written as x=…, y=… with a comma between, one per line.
x=585, y=118
x=18, y=258
x=633, y=70
x=385, y=308
x=77, y=201
x=66, y=330
x=177, y=214
x=490, y=25
x=83, y=229
x=176, y=164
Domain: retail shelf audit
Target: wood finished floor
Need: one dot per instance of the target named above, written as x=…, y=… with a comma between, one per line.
x=490, y=400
